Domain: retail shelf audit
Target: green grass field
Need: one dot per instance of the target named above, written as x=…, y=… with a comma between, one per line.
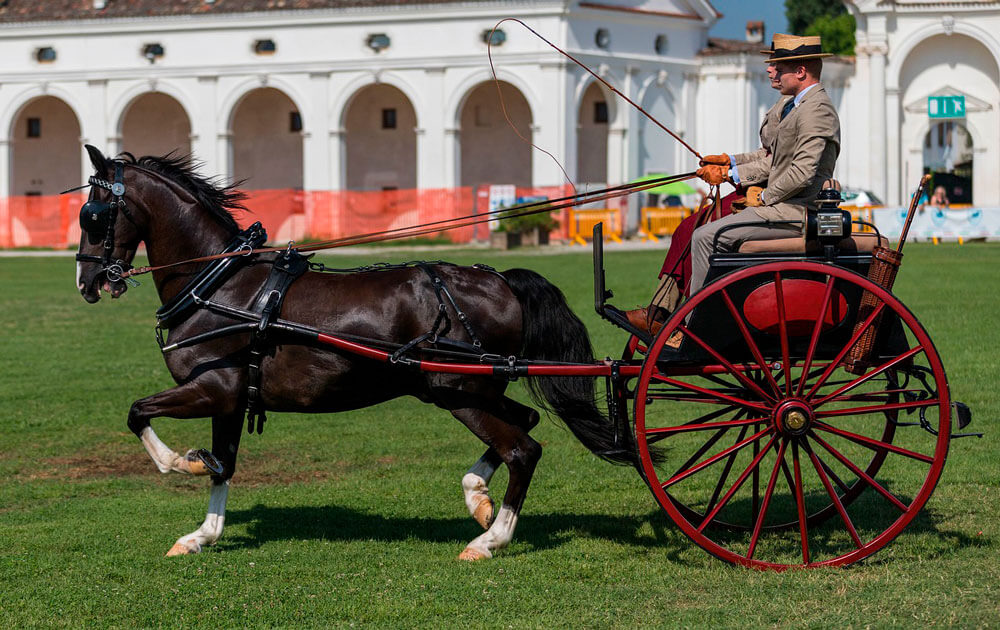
x=356, y=519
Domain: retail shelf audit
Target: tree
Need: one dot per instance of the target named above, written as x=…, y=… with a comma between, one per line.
x=827, y=18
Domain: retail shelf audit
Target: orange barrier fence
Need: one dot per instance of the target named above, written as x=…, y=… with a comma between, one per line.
x=582, y=222
x=657, y=222
x=288, y=215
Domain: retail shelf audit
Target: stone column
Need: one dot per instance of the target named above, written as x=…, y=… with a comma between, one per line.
x=877, y=118
x=895, y=185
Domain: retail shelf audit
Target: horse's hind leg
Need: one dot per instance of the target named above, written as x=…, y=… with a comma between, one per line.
x=476, y=480
x=520, y=453
x=226, y=432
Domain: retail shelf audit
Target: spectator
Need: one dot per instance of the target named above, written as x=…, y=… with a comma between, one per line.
x=939, y=199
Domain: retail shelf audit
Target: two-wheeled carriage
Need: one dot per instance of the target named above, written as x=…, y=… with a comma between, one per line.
x=790, y=413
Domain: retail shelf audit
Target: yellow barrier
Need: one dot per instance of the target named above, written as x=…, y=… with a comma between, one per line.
x=582, y=222
x=863, y=213
x=656, y=222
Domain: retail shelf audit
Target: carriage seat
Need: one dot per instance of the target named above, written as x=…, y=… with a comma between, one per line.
x=861, y=242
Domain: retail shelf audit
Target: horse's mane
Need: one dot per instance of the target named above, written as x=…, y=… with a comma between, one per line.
x=218, y=198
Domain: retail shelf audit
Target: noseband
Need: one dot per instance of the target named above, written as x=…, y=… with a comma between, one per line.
x=97, y=215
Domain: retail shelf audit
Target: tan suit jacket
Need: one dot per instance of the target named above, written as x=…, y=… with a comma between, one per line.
x=803, y=154
x=753, y=167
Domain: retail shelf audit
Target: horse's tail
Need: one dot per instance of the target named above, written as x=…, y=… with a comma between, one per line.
x=552, y=332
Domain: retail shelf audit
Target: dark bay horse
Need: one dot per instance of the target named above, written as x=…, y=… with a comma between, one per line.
x=180, y=215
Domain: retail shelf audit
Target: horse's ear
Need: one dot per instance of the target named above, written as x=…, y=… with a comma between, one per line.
x=97, y=159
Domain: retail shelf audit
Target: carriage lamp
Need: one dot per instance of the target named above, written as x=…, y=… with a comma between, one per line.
x=493, y=37
x=830, y=221
x=265, y=47
x=378, y=41
x=46, y=54
x=152, y=52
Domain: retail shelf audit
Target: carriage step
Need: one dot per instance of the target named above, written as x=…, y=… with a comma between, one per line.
x=618, y=318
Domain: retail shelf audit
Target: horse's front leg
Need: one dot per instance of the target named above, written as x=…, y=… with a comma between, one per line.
x=226, y=432
x=190, y=400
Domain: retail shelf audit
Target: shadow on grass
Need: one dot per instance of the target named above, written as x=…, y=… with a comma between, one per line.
x=537, y=531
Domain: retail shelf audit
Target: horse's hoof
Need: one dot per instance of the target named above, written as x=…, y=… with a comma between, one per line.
x=181, y=549
x=202, y=462
x=484, y=512
x=471, y=555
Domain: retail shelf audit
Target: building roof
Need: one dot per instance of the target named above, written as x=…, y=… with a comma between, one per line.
x=55, y=10
x=720, y=46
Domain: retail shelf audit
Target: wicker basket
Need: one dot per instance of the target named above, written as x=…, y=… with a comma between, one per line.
x=885, y=265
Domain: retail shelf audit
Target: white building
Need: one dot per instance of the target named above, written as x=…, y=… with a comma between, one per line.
x=293, y=94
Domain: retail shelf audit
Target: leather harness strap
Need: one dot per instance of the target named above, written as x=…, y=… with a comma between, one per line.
x=287, y=268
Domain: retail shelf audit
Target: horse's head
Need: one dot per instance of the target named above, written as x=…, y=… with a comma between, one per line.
x=109, y=232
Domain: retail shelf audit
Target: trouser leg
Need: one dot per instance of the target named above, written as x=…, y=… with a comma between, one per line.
x=729, y=240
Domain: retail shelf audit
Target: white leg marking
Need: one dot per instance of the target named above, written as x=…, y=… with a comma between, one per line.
x=168, y=460
x=495, y=538
x=211, y=528
x=477, y=497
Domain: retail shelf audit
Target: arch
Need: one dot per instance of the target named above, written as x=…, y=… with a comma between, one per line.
x=49, y=162
x=380, y=153
x=584, y=84
x=29, y=94
x=339, y=105
x=462, y=90
x=267, y=117
x=901, y=52
x=228, y=104
x=657, y=151
x=490, y=152
x=154, y=123
x=134, y=91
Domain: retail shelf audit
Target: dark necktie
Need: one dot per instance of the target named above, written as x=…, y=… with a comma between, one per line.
x=787, y=108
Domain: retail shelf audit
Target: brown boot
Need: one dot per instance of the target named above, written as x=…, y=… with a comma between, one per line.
x=641, y=319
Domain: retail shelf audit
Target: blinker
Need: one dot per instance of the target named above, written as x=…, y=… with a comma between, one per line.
x=94, y=216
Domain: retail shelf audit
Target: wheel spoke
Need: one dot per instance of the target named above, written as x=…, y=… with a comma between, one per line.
x=754, y=349
x=857, y=411
x=729, y=366
x=739, y=482
x=814, y=339
x=725, y=473
x=767, y=499
x=779, y=297
x=869, y=375
x=713, y=459
x=833, y=496
x=703, y=427
x=712, y=394
x=800, y=503
x=860, y=473
x=843, y=352
x=875, y=445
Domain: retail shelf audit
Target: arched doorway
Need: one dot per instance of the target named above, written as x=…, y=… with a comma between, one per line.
x=267, y=141
x=948, y=156
x=951, y=66
x=492, y=153
x=381, y=140
x=592, y=138
x=155, y=124
x=45, y=148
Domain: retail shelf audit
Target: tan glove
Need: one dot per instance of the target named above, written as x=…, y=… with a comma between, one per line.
x=718, y=160
x=713, y=174
x=753, y=196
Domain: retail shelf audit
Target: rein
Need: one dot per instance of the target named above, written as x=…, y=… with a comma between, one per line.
x=435, y=226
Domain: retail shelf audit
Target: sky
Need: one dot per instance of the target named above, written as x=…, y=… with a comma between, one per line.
x=736, y=14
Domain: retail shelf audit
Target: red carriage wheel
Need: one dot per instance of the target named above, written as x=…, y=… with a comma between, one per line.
x=760, y=426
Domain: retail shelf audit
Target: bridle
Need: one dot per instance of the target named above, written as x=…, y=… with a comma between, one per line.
x=97, y=216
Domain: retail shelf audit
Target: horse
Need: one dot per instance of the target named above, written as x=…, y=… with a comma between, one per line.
x=181, y=215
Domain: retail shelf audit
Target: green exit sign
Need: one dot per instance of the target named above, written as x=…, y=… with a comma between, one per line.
x=946, y=106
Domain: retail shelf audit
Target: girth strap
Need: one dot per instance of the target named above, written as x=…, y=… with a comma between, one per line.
x=287, y=268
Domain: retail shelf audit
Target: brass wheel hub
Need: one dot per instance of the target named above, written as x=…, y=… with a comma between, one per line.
x=793, y=417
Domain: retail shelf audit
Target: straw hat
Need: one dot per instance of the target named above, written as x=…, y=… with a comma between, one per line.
x=791, y=47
